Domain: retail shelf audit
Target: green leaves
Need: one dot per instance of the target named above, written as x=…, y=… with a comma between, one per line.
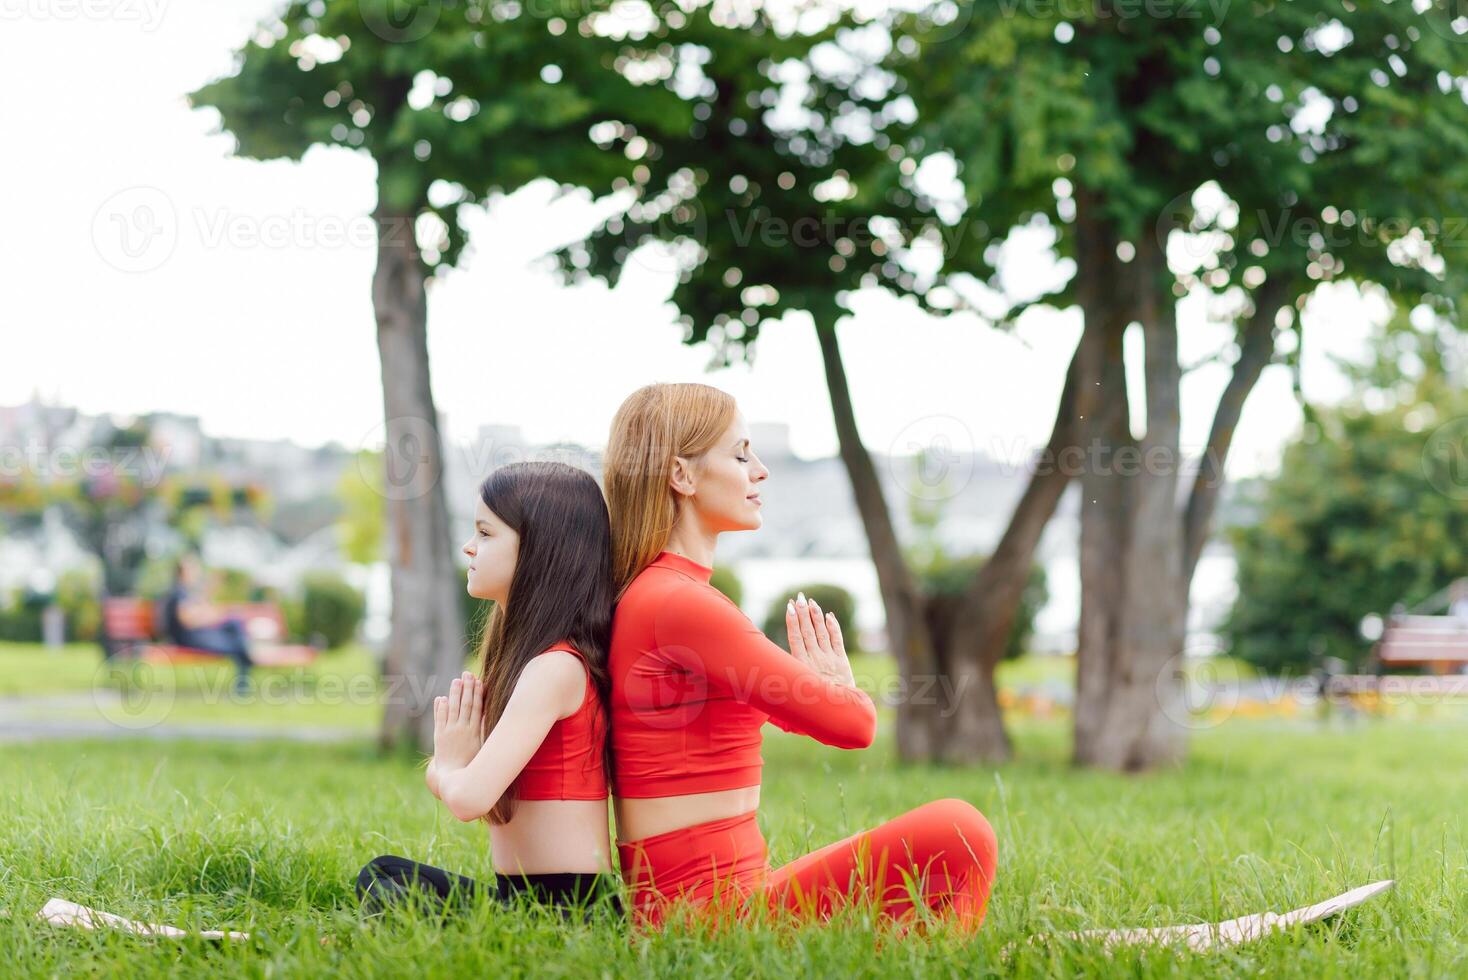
x=1359, y=518
x=489, y=97
x=785, y=184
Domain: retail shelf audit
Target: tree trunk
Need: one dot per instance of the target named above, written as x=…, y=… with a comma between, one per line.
x=1105, y=520
x=1138, y=554
x=919, y=708
x=972, y=640
x=1255, y=351
x=1106, y=292
x=426, y=643
x=1139, y=723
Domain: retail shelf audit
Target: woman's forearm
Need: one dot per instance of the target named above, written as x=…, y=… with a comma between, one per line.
x=460, y=795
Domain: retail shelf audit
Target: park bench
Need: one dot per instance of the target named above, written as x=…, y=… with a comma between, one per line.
x=1439, y=643
x=129, y=625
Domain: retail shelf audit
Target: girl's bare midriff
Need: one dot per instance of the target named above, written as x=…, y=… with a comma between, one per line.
x=551, y=836
x=645, y=817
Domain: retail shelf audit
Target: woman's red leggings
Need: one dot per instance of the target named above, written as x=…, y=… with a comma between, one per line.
x=941, y=855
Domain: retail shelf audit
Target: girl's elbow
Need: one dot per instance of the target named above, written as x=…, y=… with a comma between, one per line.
x=461, y=802
x=468, y=815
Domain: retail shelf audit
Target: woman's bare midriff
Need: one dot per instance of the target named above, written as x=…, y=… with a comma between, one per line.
x=550, y=836
x=645, y=817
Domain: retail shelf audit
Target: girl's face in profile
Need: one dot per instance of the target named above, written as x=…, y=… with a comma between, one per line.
x=492, y=550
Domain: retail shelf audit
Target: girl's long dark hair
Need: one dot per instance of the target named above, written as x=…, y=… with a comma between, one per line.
x=562, y=587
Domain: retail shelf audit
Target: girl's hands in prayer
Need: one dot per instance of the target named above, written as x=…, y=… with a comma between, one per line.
x=458, y=721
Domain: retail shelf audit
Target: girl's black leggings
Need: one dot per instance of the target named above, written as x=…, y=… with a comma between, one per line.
x=389, y=879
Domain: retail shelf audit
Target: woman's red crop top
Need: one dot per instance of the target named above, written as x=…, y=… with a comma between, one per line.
x=693, y=680
x=568, y=764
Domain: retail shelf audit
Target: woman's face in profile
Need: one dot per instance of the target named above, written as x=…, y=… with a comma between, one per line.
x=726, y=492
x=492, y=550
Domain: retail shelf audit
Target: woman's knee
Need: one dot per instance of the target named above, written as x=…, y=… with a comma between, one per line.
x=379, y=867
x=965, y=826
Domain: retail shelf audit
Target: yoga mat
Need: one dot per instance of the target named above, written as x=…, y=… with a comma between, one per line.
x=1231, y=932
x=60, y=912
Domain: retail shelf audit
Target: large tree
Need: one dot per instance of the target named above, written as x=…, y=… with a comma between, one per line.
x=1115, y=128
x=455, y=102
x=793, y=186
x=1334, y=139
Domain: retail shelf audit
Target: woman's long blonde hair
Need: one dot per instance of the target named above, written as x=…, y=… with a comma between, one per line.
x=654, y=424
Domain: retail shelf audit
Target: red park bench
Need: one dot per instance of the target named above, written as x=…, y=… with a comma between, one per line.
x=129, y=625
x=1439, y=643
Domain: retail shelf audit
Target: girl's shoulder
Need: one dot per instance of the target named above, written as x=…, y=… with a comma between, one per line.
x=565, y=647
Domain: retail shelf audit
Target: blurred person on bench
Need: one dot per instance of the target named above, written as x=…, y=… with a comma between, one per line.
x=193, y=622
x=1458, y=605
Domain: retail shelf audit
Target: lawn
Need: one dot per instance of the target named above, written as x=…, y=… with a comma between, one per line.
x=340, y=690
x=267, y=837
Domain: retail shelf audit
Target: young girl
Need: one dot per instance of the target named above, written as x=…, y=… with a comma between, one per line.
x=541, y=549
x=693, y=681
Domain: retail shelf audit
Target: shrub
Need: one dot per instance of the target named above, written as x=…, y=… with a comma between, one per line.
x=728, y=583
x=76, y=592
x=831, y=598
x=20, y=616
x=947, y=576
x=1356, y=520
x=331, y=609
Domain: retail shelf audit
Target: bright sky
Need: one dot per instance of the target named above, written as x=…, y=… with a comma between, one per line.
x=251, y=308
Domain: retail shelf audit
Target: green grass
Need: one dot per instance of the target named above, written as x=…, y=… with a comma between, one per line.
x=30, y=668
x=268, y=837
x=340, y=689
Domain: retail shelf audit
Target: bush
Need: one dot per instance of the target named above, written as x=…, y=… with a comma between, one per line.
x=1350, y=526
x=831, y=598
x=76, y=592
x=728, y=583
x=331, y=609
x=233, y=585
x=943, y=575
x=20, y=616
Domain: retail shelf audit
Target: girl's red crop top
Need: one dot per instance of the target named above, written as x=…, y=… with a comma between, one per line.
x=693, y=680
x=568, y=764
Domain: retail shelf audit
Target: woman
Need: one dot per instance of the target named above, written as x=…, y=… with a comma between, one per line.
x=189, y=622
x=541, y=550
x=693, y=680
